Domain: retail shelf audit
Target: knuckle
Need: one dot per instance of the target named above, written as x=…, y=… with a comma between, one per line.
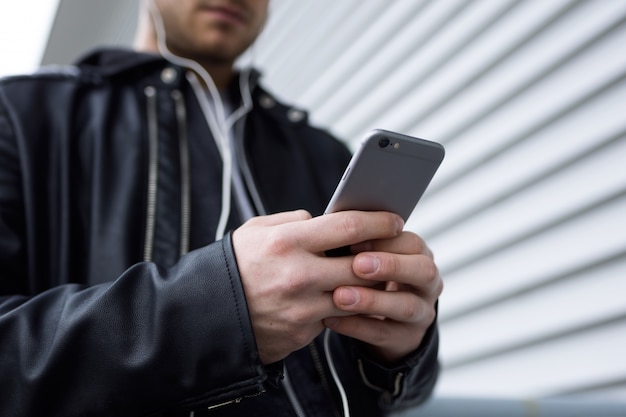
x=392, y=224
x=439, y=289
x=391, y=266
x=429, y=314
x=381, y=336
x=294, y=282
x=415, y=243
x=350, y=225
x=409, y=312
x=300, y=318
x=430, y=272
x=303, y=214
x=277, y=243
x=253, y=221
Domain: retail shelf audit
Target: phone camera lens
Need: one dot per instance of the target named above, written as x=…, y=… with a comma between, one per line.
x=383, y=143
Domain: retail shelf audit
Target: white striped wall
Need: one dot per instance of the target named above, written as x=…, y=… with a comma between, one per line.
x=527, y=215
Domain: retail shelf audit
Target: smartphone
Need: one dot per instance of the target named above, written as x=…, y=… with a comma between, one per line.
x=389, y=172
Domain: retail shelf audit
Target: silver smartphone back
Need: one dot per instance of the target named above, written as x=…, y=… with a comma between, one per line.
x=389, y=172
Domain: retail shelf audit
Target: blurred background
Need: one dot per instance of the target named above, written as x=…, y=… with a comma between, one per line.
x=527, y=215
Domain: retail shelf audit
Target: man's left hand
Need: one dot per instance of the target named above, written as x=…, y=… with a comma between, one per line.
x=393, y=316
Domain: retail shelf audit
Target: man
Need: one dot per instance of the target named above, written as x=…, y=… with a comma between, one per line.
x=122, y=293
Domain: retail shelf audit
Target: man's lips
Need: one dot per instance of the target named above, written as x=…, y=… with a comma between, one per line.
x=232, y=15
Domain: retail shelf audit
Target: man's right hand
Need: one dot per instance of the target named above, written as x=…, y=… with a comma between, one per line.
x=288, y=280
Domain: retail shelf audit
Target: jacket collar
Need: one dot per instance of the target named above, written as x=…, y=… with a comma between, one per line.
x=109, y=61
x=116, y=61
x=113, y=62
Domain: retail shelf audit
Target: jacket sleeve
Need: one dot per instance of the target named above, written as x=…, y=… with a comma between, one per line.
x=407, y=383
x=389, y=387
x=150, y=340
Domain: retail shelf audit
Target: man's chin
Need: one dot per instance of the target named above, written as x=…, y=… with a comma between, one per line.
x=213, y=53
x=220, y=51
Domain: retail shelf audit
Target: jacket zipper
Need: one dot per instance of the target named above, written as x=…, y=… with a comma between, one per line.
x=153, y=143
x=235, y=401
x=181, y=117
x=291, y=394
x=153, y=172
x=319, y=367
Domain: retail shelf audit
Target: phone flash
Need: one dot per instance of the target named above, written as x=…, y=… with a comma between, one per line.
x=396, y=145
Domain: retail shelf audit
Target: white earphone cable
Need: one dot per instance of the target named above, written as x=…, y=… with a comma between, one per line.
x=335, y=375
x=220, y=126
x=216, y=118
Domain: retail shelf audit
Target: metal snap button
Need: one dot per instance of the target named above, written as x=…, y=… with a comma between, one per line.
x=295, y=115
x=267, y=102
x=168, y=75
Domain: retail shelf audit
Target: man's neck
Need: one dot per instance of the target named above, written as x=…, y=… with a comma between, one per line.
x=221, y=73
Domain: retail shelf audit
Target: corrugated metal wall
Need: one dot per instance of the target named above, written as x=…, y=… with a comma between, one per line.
x=527, y=215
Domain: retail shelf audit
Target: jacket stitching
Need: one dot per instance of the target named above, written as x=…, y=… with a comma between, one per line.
x=237, y=305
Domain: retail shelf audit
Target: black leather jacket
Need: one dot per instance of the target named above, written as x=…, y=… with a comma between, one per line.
x=114, y=299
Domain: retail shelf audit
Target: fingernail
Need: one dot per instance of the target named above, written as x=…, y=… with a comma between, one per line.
x=348, y=297
x=399, y=225
x=367, y=264
x=331, y=321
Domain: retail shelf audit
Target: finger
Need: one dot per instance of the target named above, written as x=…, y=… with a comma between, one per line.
x=346, y=228
x=406, y=243
x=400, y=306
x=417, y=271
x=393, y=340
x=329, y=273
x=316, y=309
x=280, y=218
